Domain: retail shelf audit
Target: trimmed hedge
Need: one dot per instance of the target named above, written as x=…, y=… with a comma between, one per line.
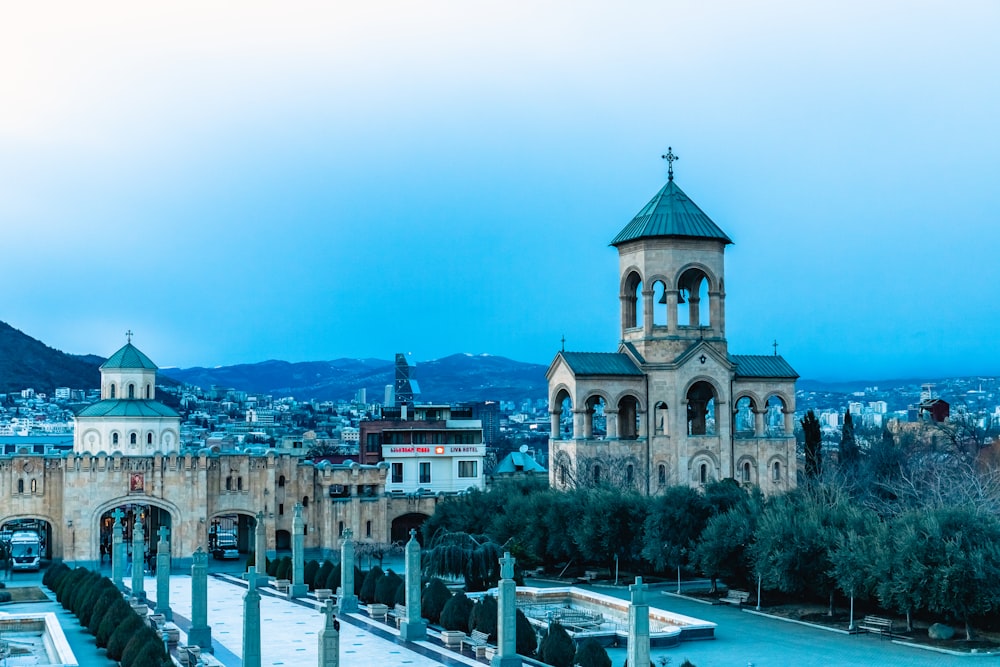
x=433, y=599
x=456, y=612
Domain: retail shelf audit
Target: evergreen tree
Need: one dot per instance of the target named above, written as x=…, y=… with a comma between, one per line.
x=526, y=641
x=813, y=438
x=368, y=587
x=456, y=612
x=433, y=599
x=591, y=654
x=557, y=648
x=849, y=452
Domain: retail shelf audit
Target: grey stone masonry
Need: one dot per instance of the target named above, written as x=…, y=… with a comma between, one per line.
x=260, y=543
x=163, y=575
x=118, y=551
x=348, y=600
x=638, y=624
x=138, y=560
x=414, y=628
x=251, y=621
x=506, y=655
x=329, y=639
x=298, y=587
x=200, y=633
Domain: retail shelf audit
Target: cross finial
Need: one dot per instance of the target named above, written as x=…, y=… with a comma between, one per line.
x=775, y=345
x=128, y=335
x=670, y=158
x=563, y=343
x=118, y=515
x=163, y=532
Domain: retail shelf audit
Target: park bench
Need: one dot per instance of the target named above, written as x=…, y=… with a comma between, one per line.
x=323, y=594
x=735, y=597
x=400, y=613
x=477, y=642
x=379, y=611
x=879, y=624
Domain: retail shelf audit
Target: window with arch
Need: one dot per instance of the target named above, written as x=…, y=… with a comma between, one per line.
x=703, y=473
x=776, y=471
x=131, y=390
x=660, y=418
x=701, y=408
x=132, y=439
x=305, y=501
x=744, y=419
x=661, y=474
x=340, y=528
x=629, y=474
x=693, y=309
x=281, y=482
x=34, y=486
x=746, y=471
x=20, y=486
x=628, y=418
x=114, y=438
x=239, y=483
x=149, y=438
x=111, y=391
x=597, y=474
x=775, y=416
x=562, y=473
x=631, y=295
x=229, y=483
x=595, y=425
x=149, y=392
x=368, y=528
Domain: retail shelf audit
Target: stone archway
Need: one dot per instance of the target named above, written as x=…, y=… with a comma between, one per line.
x=401, y=525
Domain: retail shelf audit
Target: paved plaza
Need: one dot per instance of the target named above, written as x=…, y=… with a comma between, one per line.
x=290, y=629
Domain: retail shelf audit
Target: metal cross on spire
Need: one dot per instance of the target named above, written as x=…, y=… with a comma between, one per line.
x=775, y=345
x=128, y=335
x=670, y=158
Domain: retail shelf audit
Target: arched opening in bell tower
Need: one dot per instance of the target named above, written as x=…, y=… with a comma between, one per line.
x=744, y=418
x=693, y=303
x=660, y=304
x=701, y=400
x=631, y=298
x=628, y=418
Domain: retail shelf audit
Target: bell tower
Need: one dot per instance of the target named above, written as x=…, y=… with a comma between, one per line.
x=672, y=276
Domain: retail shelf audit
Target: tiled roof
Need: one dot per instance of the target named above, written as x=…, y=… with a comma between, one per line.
x=600, y=363
x=129, y=357
x=670, y=213
x=127, y=408
x=762, y=366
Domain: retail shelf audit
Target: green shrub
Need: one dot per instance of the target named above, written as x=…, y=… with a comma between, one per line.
x=5, y=596
x=54, y=573
x=371, y=579
x=591, y=654
x=333, y=578
x=116, y=613
x=455, y=613
x=119, y=639
x=484, y=617
x=526, y=640
x=557, y=648
x=284, y=569
x=271, y=567
x=309, y=574
x=433, y=599
x=385, y=588
x=400, y=597
x=359, y=580
x=101, y=606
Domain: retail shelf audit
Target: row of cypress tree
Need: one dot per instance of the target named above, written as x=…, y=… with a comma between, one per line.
x=103, y=611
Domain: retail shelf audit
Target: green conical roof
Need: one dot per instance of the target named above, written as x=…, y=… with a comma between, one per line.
x=129, y=357
x=670, y=213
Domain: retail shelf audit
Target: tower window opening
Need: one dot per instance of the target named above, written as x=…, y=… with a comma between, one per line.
x=132, y=440
x=661, y=474
x=703, y=473
x=111, y=392
x=131, y=391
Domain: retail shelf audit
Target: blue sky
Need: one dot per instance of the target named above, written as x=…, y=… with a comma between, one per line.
x=238, y=182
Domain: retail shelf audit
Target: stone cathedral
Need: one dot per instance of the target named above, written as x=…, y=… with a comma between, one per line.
x=671, y=405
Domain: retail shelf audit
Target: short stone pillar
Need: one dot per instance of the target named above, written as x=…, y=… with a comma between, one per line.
x=260, y=544
x=200, y=633
x=163, y=575
x=506, y=655
x=251, y=621
x=329, y=639
x=138, y=560
x=348, y=600
x=414, y=628
x=298, y=587
x=118, y=551
x=638, y=625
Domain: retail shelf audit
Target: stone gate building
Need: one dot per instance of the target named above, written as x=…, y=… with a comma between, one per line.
x=671, y=405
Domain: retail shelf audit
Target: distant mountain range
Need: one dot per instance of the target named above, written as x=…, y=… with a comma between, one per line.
x=26, y=362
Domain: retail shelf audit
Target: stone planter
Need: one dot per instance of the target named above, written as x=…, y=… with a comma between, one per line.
x=379, y=611
x=452, y=638
x=323, y=594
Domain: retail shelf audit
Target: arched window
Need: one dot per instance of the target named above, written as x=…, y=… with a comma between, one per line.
x=132, y=439
x=229, y=484
x=111, y=394
x=149, y=438
x=703, y=473
x=114, y=438
x=745, y=417
x=701, y=409
x=20, y=486
x=34, y=485
x=597, y=474
x=746, y=471
x=281, y=481
x=305, y=501
x=660, y=418
x=629, y=474
x=149, y=392
x=693, y=308
x=562, y=474
x=631, y=294
x=661, y=474
x=368, y=528
x=239, y=483
x=340, y=528
x=777, y=471
x=131, y=391
x=281, y=509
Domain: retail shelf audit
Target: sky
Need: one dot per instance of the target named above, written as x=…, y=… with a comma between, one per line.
x=242, y=181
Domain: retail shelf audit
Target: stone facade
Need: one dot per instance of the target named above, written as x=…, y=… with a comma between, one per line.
x=671, y=405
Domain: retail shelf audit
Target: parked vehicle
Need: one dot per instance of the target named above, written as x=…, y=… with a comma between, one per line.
x=25, y=550
x=225, y=547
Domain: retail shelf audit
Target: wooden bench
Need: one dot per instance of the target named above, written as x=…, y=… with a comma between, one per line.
x=590, y=575
x=735, y=597
x=879, y=624
x=323, y=594
x=400, y=613
x=477, y=642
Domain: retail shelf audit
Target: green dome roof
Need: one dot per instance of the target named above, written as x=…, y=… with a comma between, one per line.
x=670, y=213
x=128, y=357
x=127, y=408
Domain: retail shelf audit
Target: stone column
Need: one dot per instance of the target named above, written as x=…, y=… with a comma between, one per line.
x=251, y=621
x=759, y=427
x=414, y=628
x=348, y=600
x=200, y=633
x=163, y=575
x=138, y=560
x=647, y=312
x=260, y=544
x=672, y=311
x=117, y=551
x=554, y=425
x=329, y=639
x=506, y=655
x=638, y=625
x=298, y=587
x=611, y=423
